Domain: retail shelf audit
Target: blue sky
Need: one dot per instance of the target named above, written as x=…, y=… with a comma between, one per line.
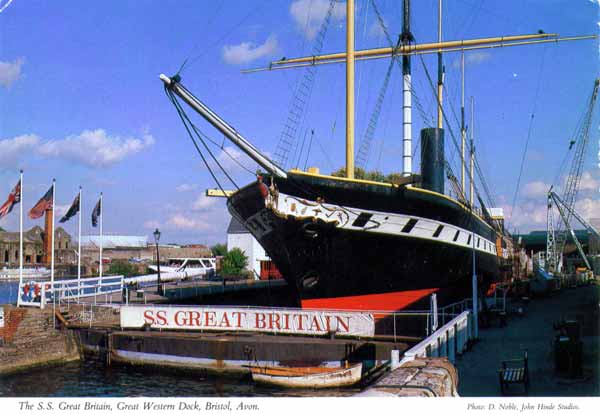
x=80, y=98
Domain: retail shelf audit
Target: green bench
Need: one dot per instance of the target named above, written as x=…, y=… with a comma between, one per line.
x=514, y=371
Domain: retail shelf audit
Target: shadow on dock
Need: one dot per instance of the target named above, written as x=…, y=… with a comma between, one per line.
x=534, y=331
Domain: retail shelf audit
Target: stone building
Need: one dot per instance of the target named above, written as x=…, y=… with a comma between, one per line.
x=33, y=248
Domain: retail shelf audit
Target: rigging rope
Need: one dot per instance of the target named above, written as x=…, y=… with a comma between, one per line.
x=300, y=100
x=185, y=119
x=537, y=91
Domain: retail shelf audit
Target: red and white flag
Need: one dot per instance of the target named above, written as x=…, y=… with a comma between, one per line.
x=45, y=203
x=13, y=198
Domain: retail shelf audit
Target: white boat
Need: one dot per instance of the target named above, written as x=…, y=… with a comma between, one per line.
x=307, y=377
x=28, y=274
x=198, y=265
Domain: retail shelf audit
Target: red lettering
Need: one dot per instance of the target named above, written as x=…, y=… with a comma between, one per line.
x=300, y=322
x=286, y=318
x=224, y=321
x=274, y=320
x=209, y=319
x=260, y=321
x=238, y=316
x=148, y=317
x=194, y=319
x=161, y=317
x=345, y=325
x=314, y=325
x=177, y=321
x=328, y=323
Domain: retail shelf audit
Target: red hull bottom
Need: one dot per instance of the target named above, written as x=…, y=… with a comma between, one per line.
x=389, y=302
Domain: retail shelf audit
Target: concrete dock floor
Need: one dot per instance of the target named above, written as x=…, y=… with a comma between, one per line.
x=478, y=368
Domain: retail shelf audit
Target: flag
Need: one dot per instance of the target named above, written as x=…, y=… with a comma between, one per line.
x=96, y=213
x=41, y=206
x=13, y=198
x=74, y=209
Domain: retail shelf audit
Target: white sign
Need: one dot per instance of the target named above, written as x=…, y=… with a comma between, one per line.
x=292, y=321
x=1, y=317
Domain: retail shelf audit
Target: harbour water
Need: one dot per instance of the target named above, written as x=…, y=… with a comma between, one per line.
x=8, y=292
x=91, y=378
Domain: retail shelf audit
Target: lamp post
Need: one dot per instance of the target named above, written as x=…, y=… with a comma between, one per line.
x=156, y=239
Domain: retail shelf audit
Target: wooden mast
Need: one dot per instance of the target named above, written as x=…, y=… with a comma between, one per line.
x=415, y=48
x=350, y=88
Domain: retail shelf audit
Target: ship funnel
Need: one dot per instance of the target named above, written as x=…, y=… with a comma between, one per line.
x=432, y=159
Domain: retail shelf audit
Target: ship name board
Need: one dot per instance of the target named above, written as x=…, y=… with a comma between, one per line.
x=302, y=322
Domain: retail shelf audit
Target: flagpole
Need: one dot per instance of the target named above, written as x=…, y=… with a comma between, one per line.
x=52, y=251
x=101, y=243
x=20, y=237
x=79, y=251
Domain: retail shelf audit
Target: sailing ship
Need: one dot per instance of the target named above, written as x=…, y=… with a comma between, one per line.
x=347, y=243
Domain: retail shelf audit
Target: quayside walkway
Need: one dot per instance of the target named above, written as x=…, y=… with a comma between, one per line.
x=534, y=332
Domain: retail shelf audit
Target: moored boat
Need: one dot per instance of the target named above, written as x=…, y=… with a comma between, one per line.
x=307, y=377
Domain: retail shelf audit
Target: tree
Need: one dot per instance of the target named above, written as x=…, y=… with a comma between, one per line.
x=219, y=249
x=123, y=268
x=234, y=261
x=375, y=175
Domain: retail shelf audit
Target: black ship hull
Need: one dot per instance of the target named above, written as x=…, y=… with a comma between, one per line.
x=333, y=238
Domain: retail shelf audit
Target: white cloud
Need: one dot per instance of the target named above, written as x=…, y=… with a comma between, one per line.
x=473, y=58
x=589, y=183
x=12, y=150
x=181, y=222
x=589, y=208
x=10, y=72
x=375, y=30
x=247, y=52
x=203, y=203
x=184, y=188
x=309, y=14
x=527, y=216
x=95, y=148
x=151, y=224
x=535, y=189
x=60, y=210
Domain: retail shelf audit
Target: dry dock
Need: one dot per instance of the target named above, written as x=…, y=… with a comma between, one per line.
x=478, y=368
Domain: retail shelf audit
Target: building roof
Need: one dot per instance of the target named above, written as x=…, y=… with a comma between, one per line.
x=32, y=235
x=538, y=237
x=236, y=227
x=115, y=242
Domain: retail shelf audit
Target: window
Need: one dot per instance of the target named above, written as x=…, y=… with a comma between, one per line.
x=28, y=259
x=438, y=231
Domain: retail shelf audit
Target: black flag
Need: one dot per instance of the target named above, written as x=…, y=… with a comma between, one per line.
x=74, y=209
x=96, y=213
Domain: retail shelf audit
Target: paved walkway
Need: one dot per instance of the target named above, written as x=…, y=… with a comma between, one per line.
x=478, y=376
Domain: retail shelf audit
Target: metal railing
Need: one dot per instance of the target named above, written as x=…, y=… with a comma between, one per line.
x=448, y=341
x=38, y=294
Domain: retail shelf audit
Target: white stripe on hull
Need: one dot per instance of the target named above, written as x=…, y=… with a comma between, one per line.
x=345, y=218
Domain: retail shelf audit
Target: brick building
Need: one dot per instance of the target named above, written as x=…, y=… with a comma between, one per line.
x=33, y=248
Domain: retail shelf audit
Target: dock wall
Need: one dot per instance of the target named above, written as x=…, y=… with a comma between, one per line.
x=29, y=339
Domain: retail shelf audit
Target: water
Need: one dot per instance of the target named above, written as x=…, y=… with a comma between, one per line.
x=8, y=292
x=91, y=378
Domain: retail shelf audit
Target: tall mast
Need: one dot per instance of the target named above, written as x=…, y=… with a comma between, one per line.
x=472, y=153
x=463, y=132
x=406, y=93
x=350, y=89
x=440, y=68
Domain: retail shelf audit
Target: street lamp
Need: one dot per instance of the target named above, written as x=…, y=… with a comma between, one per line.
x=156, y=239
